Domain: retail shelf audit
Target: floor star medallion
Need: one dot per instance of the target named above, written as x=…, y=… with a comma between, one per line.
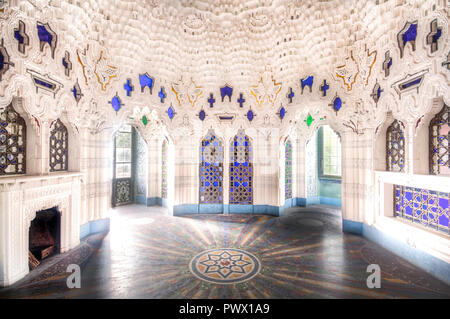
x=225, y=266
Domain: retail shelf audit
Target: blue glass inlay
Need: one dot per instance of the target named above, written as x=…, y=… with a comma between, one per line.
x=171, y=112
x=44, y=35
x=324, y=88
x=75, y=92
x=282, y=113
x=145, y=80
x=226, y=91
x=162, y=95
x=389, y=63
x=437, y=35
x=241, y=100
x=410, y=83
x=211, y=100
x=128, y=87
x=116, y=104
x=250, y=115
x=410, y=34
x=291, y=95
x=202, y=115
x=337, y=104
x=307, y=82
x=18, y=37
x=43, y=83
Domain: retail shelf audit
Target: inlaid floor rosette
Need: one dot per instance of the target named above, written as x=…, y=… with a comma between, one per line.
x=225, y=266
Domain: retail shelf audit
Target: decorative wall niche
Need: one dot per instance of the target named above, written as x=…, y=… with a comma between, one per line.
x=45, y=82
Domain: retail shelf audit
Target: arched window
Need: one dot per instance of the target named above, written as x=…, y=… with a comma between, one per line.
x=288, y=170
x=164, y=170
x=395, y=148
x=329, y=153
x=211, y=170
x=12, y=142
x=241, y=170
x=59, y=149
x=439, y=142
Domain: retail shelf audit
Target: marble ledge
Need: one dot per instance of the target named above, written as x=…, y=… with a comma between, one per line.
x=13, y=179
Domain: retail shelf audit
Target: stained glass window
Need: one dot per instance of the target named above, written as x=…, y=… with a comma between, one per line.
x=12, y=142
x=164, y=170
x=395, y=148
x=425, y=207
x=211, y=169
x=331, y=153
x=288, y=170
x=59, y=140
x=241, y=170
x=439, y=143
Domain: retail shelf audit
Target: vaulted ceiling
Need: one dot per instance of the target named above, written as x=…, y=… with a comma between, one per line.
x=224, y=40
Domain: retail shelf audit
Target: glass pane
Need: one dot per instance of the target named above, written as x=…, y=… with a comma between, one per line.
x=331, y=152
x=123, y=140
x=123, y=155
x=123, y=170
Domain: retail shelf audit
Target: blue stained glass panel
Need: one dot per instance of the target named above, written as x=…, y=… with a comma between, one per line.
x=211, y=170
x=429, y=208
x=241, y=172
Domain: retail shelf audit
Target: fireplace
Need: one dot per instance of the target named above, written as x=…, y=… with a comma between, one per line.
x=44, y=236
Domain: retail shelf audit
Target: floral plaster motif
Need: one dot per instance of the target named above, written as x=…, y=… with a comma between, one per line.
x=187, y=93
x=356, y=66
x=96, y=66
x=267, y=88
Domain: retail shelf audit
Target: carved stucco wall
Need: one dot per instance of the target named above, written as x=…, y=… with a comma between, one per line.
x=311, y=168
x=140, y=172
x=282, y=46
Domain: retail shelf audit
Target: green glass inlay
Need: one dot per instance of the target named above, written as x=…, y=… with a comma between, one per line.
x=144, y=120
x=309, y=120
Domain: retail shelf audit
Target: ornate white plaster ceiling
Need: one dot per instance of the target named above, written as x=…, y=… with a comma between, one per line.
x=222, y=40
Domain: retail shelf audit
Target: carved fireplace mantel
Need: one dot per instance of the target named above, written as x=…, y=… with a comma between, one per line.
x=20, y=198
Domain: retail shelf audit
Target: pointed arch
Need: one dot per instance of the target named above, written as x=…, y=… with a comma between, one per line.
x=211, y=169
x=439, y=151
x=164, y=159
x=241, y=170
x=12, y=142
x=288, y=169
x=395, y=147
x=59, y=147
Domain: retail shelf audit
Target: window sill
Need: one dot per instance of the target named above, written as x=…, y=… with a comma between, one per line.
x=429, y=240
x=330, y=179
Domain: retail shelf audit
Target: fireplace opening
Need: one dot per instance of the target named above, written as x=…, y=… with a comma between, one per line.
x=44, y=236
